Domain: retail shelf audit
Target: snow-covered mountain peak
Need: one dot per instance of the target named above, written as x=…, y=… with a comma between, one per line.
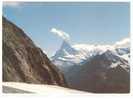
x=86, y=65
x=122, y=48
x=78, y=53
x=66, y=45
x=65, y=50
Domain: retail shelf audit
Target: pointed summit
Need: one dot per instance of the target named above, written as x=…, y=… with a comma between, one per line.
x=66, y=49
x=65, y=45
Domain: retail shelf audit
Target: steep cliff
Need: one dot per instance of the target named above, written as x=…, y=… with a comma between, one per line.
x=23, y=61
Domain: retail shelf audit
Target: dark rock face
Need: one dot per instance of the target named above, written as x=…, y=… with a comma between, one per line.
x=98, y=76
x=23, y=61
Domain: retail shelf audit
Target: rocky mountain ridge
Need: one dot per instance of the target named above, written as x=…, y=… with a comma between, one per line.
x=95, y=68
x=23, y=61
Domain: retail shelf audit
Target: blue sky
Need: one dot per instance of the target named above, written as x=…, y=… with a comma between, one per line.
x=91, y=23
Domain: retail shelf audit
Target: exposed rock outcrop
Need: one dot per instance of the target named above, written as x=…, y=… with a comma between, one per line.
x=23, y=61
x=105, y=73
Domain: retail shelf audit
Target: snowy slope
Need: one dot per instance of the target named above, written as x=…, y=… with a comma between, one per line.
x=69, y=55
x=95, y=68
x=122, y=48
x=105, y=73
x=15, y=87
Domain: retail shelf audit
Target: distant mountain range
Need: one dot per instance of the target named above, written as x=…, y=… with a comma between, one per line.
x=95, y=68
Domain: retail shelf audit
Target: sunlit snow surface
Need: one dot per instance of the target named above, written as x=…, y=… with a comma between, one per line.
x=16, y=87
x=76, y=54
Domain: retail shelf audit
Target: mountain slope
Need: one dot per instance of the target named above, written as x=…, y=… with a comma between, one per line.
x=96, y=68
x=101, y=74
x=23, y=61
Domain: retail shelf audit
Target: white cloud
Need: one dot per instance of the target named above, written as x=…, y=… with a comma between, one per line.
x=61, y=34
x=124, y=42
x=11, y=4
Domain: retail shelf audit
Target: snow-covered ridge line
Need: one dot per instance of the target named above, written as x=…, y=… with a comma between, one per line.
x=39, y=89
x=75, y=54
